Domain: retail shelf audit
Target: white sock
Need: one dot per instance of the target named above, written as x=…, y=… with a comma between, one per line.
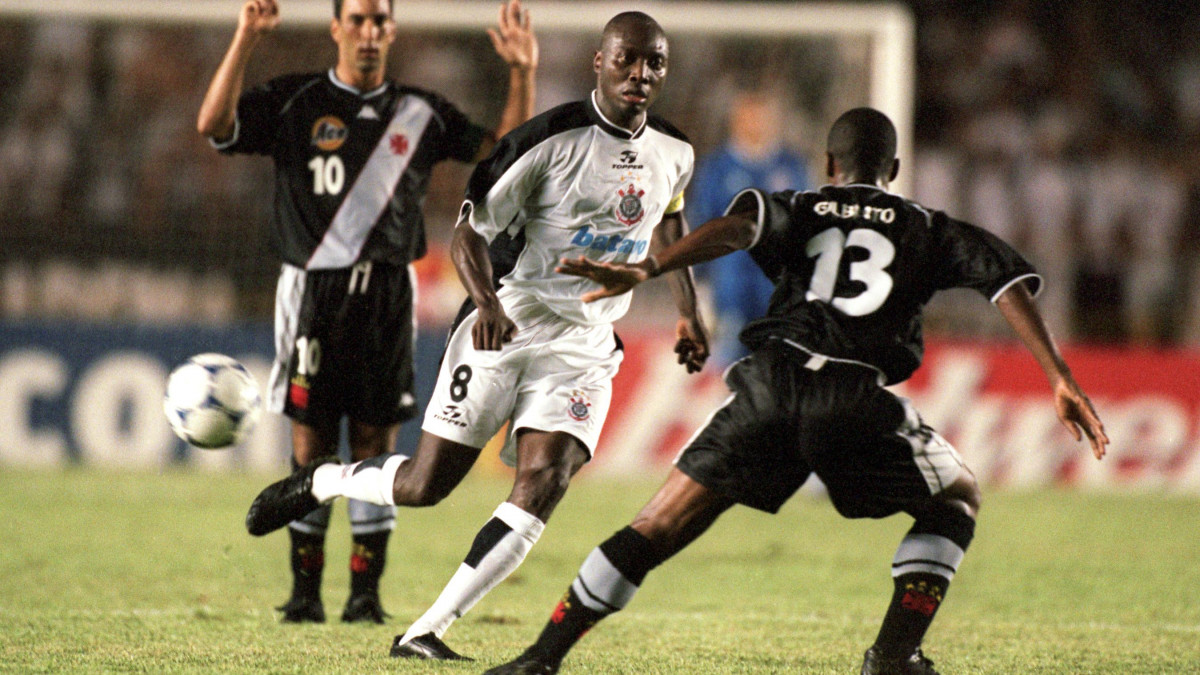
x=499, y=548
x=370, y=480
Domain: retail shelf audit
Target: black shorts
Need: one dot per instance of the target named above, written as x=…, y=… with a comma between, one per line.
x=344, y=338
x=786, y=420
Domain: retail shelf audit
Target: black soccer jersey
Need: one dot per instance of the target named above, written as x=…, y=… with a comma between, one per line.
x=853, y=267
x=351, y=167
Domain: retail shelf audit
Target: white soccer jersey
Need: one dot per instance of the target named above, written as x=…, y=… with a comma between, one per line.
x=568, y=183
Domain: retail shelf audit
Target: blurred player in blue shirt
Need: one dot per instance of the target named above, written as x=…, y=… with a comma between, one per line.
x=753, y=156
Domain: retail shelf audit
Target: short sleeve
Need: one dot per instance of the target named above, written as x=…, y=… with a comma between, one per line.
x=771, y=212
x=967, y=256
x=256, y=120
x=772, y=216
x=499, y=186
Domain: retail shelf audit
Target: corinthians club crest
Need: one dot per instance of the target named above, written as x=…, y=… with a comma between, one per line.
x=629, y=209
x=579, y=406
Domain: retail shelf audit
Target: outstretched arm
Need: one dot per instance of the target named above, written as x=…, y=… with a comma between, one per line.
x=718, y=237
x=691, y=337
x=1074, y=409
x=468, y=250
x=515, y=42
x=218, y=111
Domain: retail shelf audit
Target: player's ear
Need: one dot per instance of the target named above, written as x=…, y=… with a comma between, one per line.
x=830, y=167
x=334, y=25
x=597, y=61
x=895, y=170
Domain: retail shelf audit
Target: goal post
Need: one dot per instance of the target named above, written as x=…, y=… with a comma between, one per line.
x=889, y=28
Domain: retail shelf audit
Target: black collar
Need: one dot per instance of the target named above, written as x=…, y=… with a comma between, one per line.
x=603, y=122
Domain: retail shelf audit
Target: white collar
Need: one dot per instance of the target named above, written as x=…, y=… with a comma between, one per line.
x=355, y=90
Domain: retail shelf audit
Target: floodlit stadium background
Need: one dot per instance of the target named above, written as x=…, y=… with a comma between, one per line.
x=127, y=244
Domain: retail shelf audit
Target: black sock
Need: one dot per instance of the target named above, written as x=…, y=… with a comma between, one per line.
x=925, y=562
x=570, y=621
x=916, y=599
x=606, y=582
x=308, y=563
x=366, y=562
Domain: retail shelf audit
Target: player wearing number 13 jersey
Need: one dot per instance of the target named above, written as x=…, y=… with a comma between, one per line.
x=353, y=152
x=853, y=266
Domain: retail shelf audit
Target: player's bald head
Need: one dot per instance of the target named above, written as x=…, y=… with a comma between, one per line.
x=636, y=27
x=863, y=142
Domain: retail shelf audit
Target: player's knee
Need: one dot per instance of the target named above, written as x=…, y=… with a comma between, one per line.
x=543, y=482
x=963, y=494
x=946, y=519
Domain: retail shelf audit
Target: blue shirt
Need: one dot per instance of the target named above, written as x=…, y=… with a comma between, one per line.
x=740, y=290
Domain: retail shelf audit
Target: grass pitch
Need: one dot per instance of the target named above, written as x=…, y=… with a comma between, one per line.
x=153, y=573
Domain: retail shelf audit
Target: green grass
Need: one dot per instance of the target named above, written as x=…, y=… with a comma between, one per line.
x=104, y=572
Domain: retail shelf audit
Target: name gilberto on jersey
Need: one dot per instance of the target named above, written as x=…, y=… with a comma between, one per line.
x=611, y=243
x=837, y=210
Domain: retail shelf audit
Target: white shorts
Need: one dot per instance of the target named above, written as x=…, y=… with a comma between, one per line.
x=555, y=375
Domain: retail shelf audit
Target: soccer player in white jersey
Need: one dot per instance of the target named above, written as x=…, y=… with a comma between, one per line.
x=599, y=178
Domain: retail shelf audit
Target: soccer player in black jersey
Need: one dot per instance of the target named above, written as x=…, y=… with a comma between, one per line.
x=353, y=153
x=853, y=266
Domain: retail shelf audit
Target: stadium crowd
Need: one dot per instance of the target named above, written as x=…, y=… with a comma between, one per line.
x=1057, y=125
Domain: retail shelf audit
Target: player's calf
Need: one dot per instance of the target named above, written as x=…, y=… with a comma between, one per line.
x=607, y=581
x=925, y=562
x=371, y=526
x=307, y=556
x=499, y=548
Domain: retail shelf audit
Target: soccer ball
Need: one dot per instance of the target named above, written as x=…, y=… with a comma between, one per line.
x=212, y=401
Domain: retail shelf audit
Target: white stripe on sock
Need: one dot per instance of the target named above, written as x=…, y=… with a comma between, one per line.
x=601, y=586
x=368, y=518
x=927, y=553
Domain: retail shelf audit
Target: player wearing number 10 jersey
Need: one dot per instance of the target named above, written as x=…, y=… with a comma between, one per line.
x=853, y=265
x=353, y=152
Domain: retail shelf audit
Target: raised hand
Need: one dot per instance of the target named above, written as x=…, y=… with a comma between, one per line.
x=259, y=17
x=616, y=278
x=514, y=40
